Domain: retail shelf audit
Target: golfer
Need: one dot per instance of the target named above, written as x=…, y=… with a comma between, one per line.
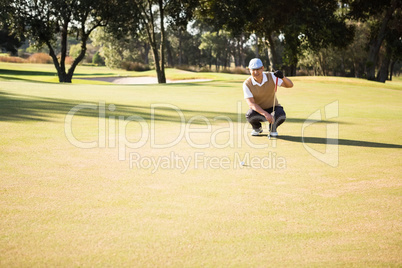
x=259, y=93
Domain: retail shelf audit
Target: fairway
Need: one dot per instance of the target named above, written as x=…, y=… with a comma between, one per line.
x=102, y=175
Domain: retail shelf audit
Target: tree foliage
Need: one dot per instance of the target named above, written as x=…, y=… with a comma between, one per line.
x=384, y=18
x=150, y=17
x=46, y=20
x=118, y=51
x=312, y=23
x=10, y=42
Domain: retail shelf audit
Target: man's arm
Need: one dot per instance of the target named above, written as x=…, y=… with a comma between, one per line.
x=251, y=103
x=287, y=82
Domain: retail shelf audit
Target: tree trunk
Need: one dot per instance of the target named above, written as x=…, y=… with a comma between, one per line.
x=343, y=71
x=154, y=48
x=155, y=53
x=180, y=48
x=242, y=56
x=236, y=52
x=257, y=52
x=274, y=55
x=56, y=63
x=383, y=72
x=146, y=52
x=150, y=29
x=169, y=55
x=64, y=51
x=391, y=71
x=375, y=43
x=321, y=61
x=372, y=58
x=77, y=60
x=226, y=61
x=161, y=75
x=60, y=66
x=210, y=59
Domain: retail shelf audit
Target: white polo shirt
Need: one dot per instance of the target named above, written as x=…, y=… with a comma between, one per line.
x=246, y=91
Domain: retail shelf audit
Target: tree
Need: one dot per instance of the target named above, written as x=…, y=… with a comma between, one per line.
x=44, y=20
x=153, y=15
x=380, y=15
x=97, y=59
x=10, y=42
x=178, y=15
x=207, y=45
x=312, y=23
x=120, y=50
x=182, y=47
x=395, y=46
x=217, y=47
x=356, y=50
x=315, y=25
x=238, y=18
x=150, y=12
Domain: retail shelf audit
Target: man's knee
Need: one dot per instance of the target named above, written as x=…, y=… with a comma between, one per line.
x=280, y=116
x=252, y=115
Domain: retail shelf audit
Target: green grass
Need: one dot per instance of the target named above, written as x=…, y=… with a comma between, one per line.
x=66, y=206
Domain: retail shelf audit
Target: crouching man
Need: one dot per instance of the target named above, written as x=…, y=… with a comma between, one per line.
x=259, y=93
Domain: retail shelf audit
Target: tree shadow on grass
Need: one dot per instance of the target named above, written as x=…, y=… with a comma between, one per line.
x=21, y=75
x=28, y=73
x=346, y=142
x=15, y=107
x=23, y=79
x=42, y=73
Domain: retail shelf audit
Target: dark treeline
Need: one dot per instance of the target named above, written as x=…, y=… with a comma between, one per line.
x=357, y=38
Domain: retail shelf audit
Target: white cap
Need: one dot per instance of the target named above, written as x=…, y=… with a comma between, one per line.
x=255, y=63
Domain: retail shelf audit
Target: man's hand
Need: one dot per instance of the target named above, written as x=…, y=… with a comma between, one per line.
x=269, y=117
x=278, y=74
x=251, y=103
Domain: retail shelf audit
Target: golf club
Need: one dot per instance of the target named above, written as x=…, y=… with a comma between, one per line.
x=273, y=109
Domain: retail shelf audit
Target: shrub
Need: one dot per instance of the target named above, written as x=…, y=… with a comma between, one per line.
x=205, y=69
x=23, y=54
x=225, y=70
x=188, y=68
x=134, y=66
x=75, y=50
x=40, y=58
x=69, y=60
x=11, y=59
x=302, y=73
x=240, y=70
x=236, y=70
x=97, y=59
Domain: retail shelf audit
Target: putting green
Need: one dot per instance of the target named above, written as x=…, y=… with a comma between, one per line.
x=160, y=182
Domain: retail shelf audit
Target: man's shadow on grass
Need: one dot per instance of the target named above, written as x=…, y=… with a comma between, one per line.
x=346, y=142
